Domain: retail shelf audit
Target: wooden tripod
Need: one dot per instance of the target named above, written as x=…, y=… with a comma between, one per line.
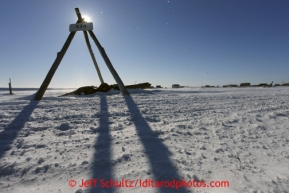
x=60, y=55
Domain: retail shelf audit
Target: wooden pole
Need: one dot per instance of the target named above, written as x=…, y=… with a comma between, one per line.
x=54, y=67
x=60, y=55
x=92, y=56
x=10, y=86
x=89, y=46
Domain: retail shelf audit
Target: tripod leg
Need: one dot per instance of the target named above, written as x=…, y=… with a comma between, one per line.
x=54, y=67
x=92, y=56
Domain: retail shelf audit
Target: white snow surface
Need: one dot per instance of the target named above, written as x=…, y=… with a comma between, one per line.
x=238, y=135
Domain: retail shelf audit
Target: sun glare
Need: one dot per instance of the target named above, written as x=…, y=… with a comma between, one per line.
x=86, y=18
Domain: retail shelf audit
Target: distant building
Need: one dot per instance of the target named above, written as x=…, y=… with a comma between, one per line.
x=159, y=86
x=176, y=86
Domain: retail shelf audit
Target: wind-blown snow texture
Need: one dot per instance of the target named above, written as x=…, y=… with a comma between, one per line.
x=235, y=135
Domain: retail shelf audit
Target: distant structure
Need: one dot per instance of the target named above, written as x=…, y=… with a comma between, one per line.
x=159, y=86
x=209, y=86
x=245, y=84
x=263, y=84
x=81, y=25
x=176, y=86
x=144, y=85
x=270, y=85
x=230, y=85
x=249, y=85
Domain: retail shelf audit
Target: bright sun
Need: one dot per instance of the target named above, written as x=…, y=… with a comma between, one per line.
x=86, y=18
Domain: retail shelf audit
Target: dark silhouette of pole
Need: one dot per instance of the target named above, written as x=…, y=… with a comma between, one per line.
x=10, y=86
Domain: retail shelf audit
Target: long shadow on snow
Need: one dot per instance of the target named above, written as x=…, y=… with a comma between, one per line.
x=101, y=166
x=158, y=154
x=11, y=131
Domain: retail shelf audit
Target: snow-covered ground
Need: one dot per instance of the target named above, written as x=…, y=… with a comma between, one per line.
x=234, y=135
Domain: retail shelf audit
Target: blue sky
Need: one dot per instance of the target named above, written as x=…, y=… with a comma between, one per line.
x=189, y=42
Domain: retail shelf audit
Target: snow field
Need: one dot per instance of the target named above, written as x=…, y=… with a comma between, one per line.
x=233, y=134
